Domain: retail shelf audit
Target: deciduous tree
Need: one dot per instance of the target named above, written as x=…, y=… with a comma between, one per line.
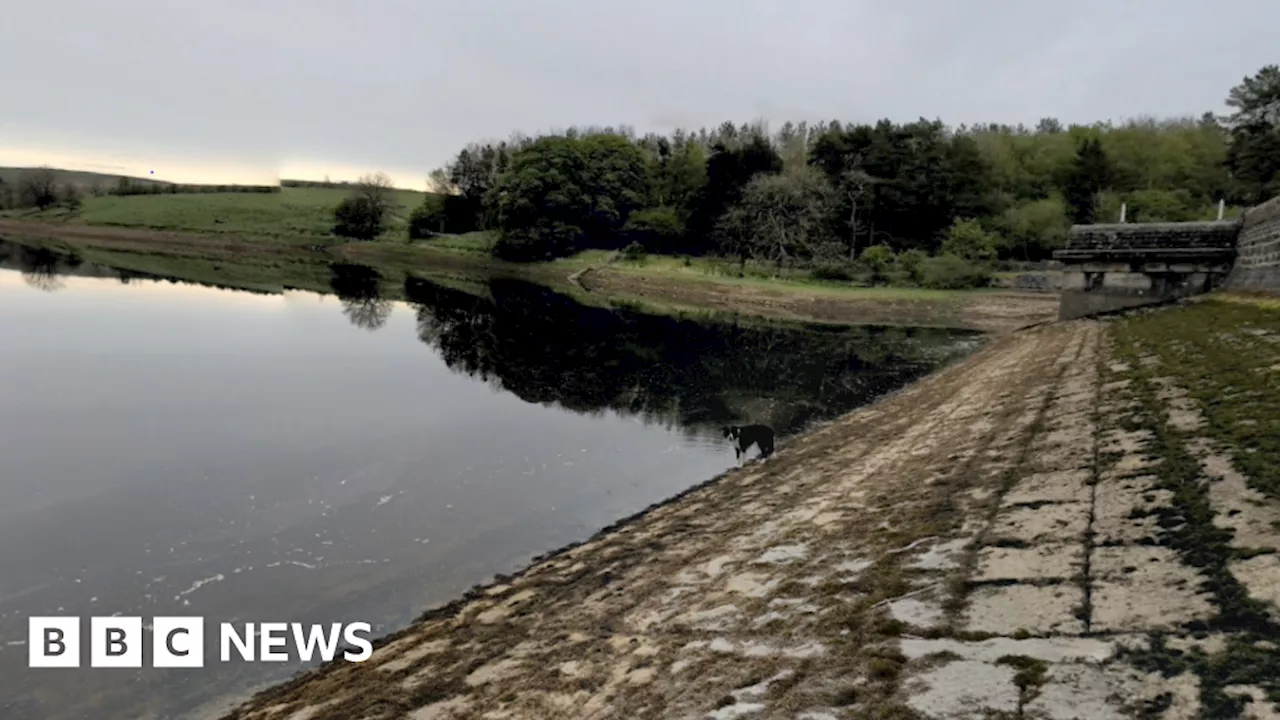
x=38, y=188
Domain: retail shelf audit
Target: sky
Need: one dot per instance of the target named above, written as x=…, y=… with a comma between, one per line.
x=251, y=90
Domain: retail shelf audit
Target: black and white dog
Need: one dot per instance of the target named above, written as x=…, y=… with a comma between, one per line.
x=744, y=436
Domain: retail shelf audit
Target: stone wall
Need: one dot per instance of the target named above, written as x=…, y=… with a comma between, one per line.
x=1257, y=266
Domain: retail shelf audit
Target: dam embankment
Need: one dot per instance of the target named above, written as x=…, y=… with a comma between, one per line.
x=1079, y=520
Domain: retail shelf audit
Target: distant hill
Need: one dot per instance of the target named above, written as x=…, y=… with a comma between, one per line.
x=104, y=183
x=87, y=180
x=81, y=178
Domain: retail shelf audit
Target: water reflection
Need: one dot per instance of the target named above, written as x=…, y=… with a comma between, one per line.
x=46, y=269
x=40, y=267
x=546, y=348
x=218, y=459
x=359, y=289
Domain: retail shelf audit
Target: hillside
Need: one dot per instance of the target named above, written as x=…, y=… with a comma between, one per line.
x=292, y=211
x=81, y=178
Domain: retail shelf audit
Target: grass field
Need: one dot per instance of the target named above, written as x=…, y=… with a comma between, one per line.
x=480, y=242
x=292, y=211
x=723, y=271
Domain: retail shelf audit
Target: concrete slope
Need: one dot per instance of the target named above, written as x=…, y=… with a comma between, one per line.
x=997, y=540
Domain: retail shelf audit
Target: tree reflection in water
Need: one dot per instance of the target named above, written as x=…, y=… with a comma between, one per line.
x=41, y=268
x=547, y=348
x=359, y=289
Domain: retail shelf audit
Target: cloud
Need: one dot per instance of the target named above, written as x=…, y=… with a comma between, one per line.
x=400, y=85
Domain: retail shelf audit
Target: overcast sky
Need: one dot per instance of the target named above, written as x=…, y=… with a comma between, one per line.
x=240, y=90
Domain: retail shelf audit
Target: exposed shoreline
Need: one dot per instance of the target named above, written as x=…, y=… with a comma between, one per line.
x=987, y=540
x=298, y=262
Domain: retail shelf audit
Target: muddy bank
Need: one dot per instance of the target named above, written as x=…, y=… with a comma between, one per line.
x=988, y=311
x=261, y=262
x=1055, y=528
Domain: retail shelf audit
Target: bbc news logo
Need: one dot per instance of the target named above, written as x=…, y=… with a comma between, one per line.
x=178, y=642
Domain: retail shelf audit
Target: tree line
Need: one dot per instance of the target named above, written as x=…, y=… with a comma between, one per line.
x=825, y=195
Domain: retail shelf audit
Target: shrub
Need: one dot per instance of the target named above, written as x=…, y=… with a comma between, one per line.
x=911, y=262
x=654, y=229
x=359, y=218
x=545, y=240
x=832, y=269
x=362, y=215
x=1034, y=229
x=428, y=218
x=37, y=188
x=634, y=251
x=967, y=239
x=71, y=197
x=877, y=260
x=949, y=272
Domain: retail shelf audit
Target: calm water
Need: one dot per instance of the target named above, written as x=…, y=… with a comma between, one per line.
x=174, y=449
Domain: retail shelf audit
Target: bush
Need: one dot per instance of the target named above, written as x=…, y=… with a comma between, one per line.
x=949, y=272
x=359, y=218
x=832, y=269
x=428, y=218
x=71, y=197
x=967, y=239
x=546, y=240
x=37, y=188
x=635, y=252
x=1034, y=229
x=912, y=262
x=830, y=262
x=654, y=229
x=363, y=214
x=877, y=260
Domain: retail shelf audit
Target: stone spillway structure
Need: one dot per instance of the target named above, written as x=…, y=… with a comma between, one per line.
x=1117, y=266
x=1122, y=265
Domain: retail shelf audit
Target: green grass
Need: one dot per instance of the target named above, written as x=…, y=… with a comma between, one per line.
x=1221, y=350
x=292, y=211
x=754, y=275
x=480, y=242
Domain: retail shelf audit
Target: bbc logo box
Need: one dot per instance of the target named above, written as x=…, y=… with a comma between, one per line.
x=178, y=642
x=115, y=642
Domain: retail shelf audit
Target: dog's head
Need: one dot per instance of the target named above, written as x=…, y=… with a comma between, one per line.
x=732, y=431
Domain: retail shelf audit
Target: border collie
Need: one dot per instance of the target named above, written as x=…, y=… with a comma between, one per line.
x=744, y=436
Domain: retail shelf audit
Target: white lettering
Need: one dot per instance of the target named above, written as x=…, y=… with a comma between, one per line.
x=273, y=637
x=328, y=645
x=227, y=632
x=361, y=642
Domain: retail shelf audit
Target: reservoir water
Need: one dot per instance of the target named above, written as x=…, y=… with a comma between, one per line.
x=168, y=448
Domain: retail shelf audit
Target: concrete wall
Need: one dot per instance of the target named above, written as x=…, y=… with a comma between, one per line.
x=1090, y=289
x=1257, y=266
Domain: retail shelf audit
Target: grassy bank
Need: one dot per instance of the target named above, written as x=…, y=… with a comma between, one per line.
x=292, y=211
x=750, y=275
x=275, y=261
